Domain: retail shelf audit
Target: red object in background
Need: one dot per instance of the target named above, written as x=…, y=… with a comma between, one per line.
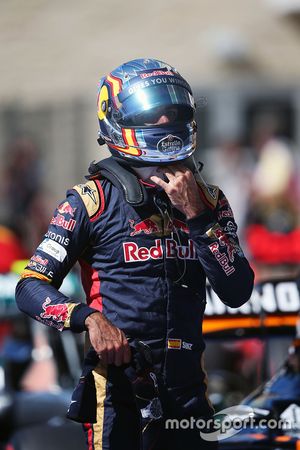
x=5, y=330
x=272, y=247
x=9, y=447
x=10, y=249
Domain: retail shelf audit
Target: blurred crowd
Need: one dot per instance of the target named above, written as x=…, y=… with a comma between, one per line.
x=262, y=182
x=25, y=205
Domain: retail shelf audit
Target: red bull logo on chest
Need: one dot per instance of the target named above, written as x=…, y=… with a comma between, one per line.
x=171, y=249
x=158, y=226
x=147, y=226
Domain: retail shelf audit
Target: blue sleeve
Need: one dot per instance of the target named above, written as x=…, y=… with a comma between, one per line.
x=214, y=233
x=37, y=292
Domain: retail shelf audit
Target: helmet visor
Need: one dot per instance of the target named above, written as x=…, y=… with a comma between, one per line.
x=157, y=105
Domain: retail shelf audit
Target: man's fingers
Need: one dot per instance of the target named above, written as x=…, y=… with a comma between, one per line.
x=126, y=351
x=111, y=345
x=103, y=356
x=110, y=351
x=118, y=359
x=106, y=352
x=118, y=355
x=179, y=170
x=171, y=170
x=170, y=176
x=176, y=171
x=159, y=182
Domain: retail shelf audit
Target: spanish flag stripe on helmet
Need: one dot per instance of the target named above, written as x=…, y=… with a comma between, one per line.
x=129, y=150
x=115, y=84
x=129, y=137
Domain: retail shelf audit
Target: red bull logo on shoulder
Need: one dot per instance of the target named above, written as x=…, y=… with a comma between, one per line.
x=66, y=208
x=60, y=221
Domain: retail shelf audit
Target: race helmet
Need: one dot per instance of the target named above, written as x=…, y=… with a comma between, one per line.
x=146, y=113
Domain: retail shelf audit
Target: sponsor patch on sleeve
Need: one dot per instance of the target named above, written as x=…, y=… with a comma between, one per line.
x=231, y=246
x=56, y=315
x=53, y=249
x=92, y=196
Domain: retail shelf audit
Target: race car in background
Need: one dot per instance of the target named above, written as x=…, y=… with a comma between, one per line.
x=257, y=345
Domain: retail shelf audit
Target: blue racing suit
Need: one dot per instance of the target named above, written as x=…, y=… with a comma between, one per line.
x=145, y=269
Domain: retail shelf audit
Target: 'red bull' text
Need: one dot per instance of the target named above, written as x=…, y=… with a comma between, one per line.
x=134, y=253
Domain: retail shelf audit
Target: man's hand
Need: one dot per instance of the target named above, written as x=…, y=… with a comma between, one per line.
x=182, y=189
x=109, y=342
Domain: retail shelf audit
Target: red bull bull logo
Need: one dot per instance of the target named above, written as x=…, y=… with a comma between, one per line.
x=155, y=225
x=66, y=208
x=147, y=226
x=58, y=312
x=231, y=247
x=221, y=258
x=179, y=225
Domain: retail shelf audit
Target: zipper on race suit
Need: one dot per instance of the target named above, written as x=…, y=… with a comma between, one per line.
x=162, y=207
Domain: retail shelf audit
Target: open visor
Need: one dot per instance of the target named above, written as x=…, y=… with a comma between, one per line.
x=145, y=106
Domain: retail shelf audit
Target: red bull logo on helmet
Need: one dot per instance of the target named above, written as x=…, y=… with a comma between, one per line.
x=66, y=208
x=57, y=312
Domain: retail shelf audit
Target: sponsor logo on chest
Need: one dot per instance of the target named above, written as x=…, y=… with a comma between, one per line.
x=168, y=248
x=179, y=344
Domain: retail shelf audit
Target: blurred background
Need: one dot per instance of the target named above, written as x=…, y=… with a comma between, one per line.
x=242, y=60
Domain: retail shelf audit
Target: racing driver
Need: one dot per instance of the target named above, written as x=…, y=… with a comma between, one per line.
x=148, y=232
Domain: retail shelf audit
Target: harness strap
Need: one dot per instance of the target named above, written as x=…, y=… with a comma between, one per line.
x=122, y=177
